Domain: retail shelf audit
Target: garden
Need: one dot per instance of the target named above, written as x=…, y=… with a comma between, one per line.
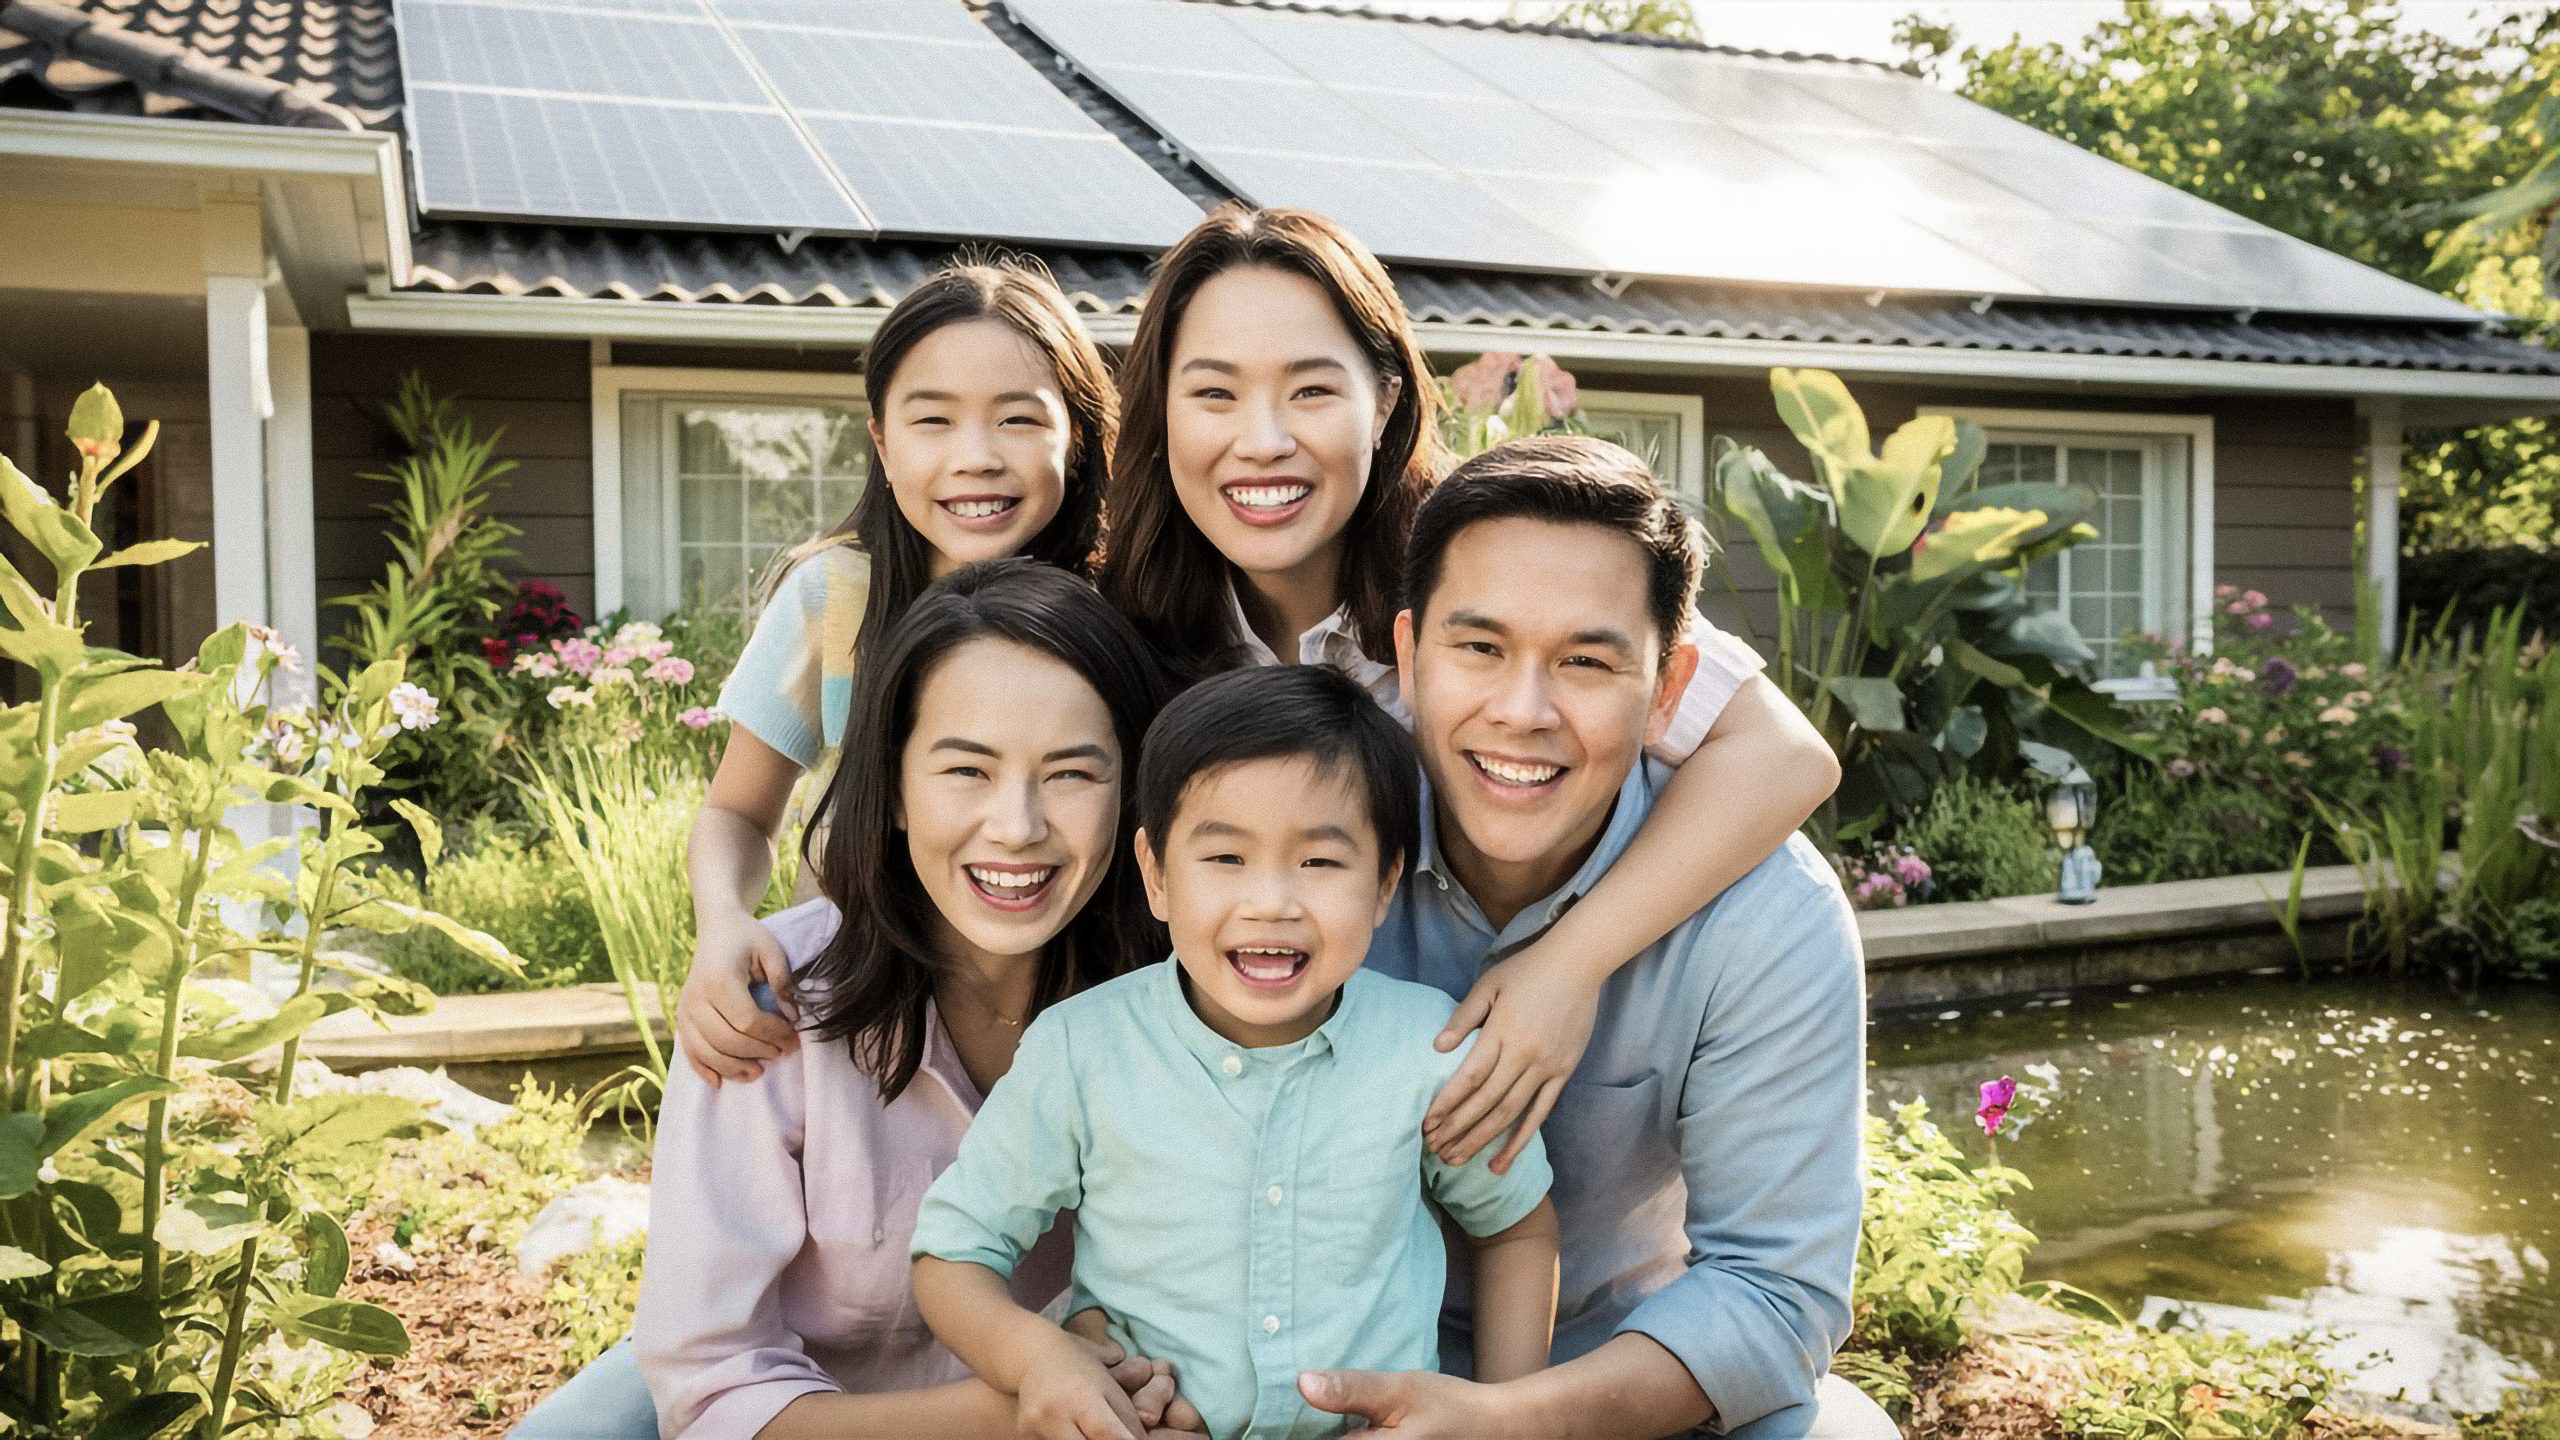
x=203, y=1231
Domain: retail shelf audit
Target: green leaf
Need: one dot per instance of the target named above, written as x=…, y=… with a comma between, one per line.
x=56, y=533
x=430, y=834
x=117, y=696
x=17, y=1264
x=21, y=1153
x=393, y=917
x=1788, y=519
x=48, y=649
x=2097, y=713
x=1998, y=672
x=117, y=1324
x=150, y=552
x=2041, y=633
x=338, y=1134
x=76, y=1117
x=1879, y=502
x=1874, y=703
x=349, y=1325
x=145, y=1416
x=325, y=1254
x=91, y=1215
x=93, y=810
x=233, y=1042
x=1965, y=731
x=207, y=1227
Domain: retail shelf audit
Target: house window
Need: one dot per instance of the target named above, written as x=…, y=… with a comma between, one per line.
x=1668, y=432
x=711, y=486
x=2150, y=477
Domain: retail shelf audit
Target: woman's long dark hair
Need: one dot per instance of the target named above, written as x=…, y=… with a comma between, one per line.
x=1157, y=567
x=1019, y=293
x=869, y=986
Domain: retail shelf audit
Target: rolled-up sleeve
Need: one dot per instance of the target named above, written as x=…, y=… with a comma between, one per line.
x=726, y=1218
x=1482, y=1202
x=1726, y=663
x=1020, y=1164
x=1770, y=1121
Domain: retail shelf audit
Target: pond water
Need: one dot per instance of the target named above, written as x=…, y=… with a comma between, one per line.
x=2342, y=1156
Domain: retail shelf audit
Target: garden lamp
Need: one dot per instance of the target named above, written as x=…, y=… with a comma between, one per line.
x=2071, y=809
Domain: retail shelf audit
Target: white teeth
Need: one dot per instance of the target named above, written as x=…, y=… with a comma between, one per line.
x=1011, y=880
x=1268, y=497
x=978, y=509
x=1280, y=964
x=1267, y=950
x=1517, y=774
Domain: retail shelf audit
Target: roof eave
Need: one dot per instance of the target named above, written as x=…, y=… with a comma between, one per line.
x=415, y=312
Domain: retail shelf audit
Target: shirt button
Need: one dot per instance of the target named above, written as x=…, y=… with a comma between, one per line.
x=1233, y=1065
x=1272, y=1194
x=1270, y=1324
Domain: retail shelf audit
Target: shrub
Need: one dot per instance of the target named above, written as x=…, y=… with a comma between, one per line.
x=527, y=895
x=2532, y=1412
x=446, y=1186
x=2185, y=1384
x=592, y=1301
x=1935, y=1241
x=2155, y=825
x=1983, y=841
x=2466, y=587
x=2530, y=948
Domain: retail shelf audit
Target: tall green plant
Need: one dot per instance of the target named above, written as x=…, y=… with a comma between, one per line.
x=436, y=597
x=157, y=1217
x=623, y=821
x=1903, y=624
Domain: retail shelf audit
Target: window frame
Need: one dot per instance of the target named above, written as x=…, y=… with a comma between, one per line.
x=2187, y=476
x=1688, y=477
x=612, y=386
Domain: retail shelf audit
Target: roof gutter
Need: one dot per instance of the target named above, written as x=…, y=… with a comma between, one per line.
x=417, y=312
x=367, y=159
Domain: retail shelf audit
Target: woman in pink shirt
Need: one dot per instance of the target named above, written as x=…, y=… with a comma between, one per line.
x=978, y=843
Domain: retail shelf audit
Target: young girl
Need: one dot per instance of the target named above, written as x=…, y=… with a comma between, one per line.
x=977, y=870
x=1277, y=434
x=990, y=432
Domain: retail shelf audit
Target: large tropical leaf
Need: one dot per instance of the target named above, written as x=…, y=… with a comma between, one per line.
x=1787, y=519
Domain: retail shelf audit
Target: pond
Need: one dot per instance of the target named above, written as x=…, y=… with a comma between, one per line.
x=2340, y=1156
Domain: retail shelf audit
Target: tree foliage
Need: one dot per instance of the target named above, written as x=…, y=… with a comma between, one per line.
x=2342, y=125
x=1670, y=19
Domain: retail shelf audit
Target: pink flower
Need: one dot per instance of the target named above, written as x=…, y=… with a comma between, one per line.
x=1911, y=870
x=2212, y=715
x=578, y=654
x=2225, y=592
x=2182, y=768
x=673, y=670
x=1478, y=384
x=1997, y=1096
x=2261, y=620
x=619, y=655
x=1563, y=392
x=541, y=667
x=2353, y=670
x=2257, y=599
x=697, y=717
x=657, y=650
x=2237, y=607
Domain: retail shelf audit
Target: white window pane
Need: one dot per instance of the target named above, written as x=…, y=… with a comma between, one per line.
x=750, y=478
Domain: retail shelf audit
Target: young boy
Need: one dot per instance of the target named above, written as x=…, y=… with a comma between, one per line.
x=1239, y=1129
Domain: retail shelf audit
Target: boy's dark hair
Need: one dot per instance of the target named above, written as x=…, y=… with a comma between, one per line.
x=1271, y=712
x=1569, y=480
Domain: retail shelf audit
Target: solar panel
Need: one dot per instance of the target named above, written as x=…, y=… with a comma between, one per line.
x=1662, y=160
x=763, y=114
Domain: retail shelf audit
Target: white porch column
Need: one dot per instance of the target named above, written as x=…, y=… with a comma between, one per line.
x=293, y=590
x=235, y=322
x=2382, y=455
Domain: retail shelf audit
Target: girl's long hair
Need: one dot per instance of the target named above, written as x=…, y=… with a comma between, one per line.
x=1156, y=566
x=869, y=986
x=1018, y=292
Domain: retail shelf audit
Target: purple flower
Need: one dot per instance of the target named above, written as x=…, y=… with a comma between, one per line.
x=2390, y=760
x=1997, y=1096
x=697, y=717
x=1911, y=870
x=2262, y=621
x=2278, y=676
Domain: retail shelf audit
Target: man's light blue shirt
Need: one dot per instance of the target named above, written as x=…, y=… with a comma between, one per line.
x=1243, y=1213
x=1706, y=1150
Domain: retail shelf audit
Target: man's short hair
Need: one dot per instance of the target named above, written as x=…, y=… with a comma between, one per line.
x=1566, y=480
x=1276, y=712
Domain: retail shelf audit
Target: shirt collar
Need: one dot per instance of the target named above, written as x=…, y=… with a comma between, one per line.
x=1330, y=641
x=1626, y=817
x=1211, y=1048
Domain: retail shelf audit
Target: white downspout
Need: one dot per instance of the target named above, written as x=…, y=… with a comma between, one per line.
x=2382, y=455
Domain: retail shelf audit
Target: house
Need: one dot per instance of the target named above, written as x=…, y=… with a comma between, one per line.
x=650, y=238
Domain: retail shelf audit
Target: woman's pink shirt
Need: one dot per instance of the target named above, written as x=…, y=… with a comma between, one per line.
x=779, y=1216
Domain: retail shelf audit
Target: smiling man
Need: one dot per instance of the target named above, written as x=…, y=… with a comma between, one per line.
x=1706, y=1150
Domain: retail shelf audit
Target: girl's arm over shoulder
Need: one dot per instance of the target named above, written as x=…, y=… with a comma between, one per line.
x=723, y=1033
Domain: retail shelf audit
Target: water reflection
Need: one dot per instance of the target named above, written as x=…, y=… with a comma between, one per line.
x=2282, y=1156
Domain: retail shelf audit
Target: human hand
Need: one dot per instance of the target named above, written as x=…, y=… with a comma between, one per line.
x=722, y=1032
x=1068, y=1393
x=1409, y=1405
x=1149, y=1384
x=1537, y=1018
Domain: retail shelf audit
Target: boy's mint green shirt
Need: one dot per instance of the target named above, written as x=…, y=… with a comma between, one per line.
x=1245, y=1214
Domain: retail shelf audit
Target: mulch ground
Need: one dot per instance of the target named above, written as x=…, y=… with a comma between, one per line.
x=480, y=1351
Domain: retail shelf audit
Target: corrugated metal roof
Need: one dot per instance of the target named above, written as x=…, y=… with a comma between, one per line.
x=662, y=267
x=277, y=62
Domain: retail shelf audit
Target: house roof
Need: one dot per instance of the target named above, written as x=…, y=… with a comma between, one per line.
x=325, y=63
x=335, y=63
x=664, y=267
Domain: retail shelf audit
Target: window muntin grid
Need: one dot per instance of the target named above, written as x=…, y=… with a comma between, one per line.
x=2112, y=585
x=748, y=479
